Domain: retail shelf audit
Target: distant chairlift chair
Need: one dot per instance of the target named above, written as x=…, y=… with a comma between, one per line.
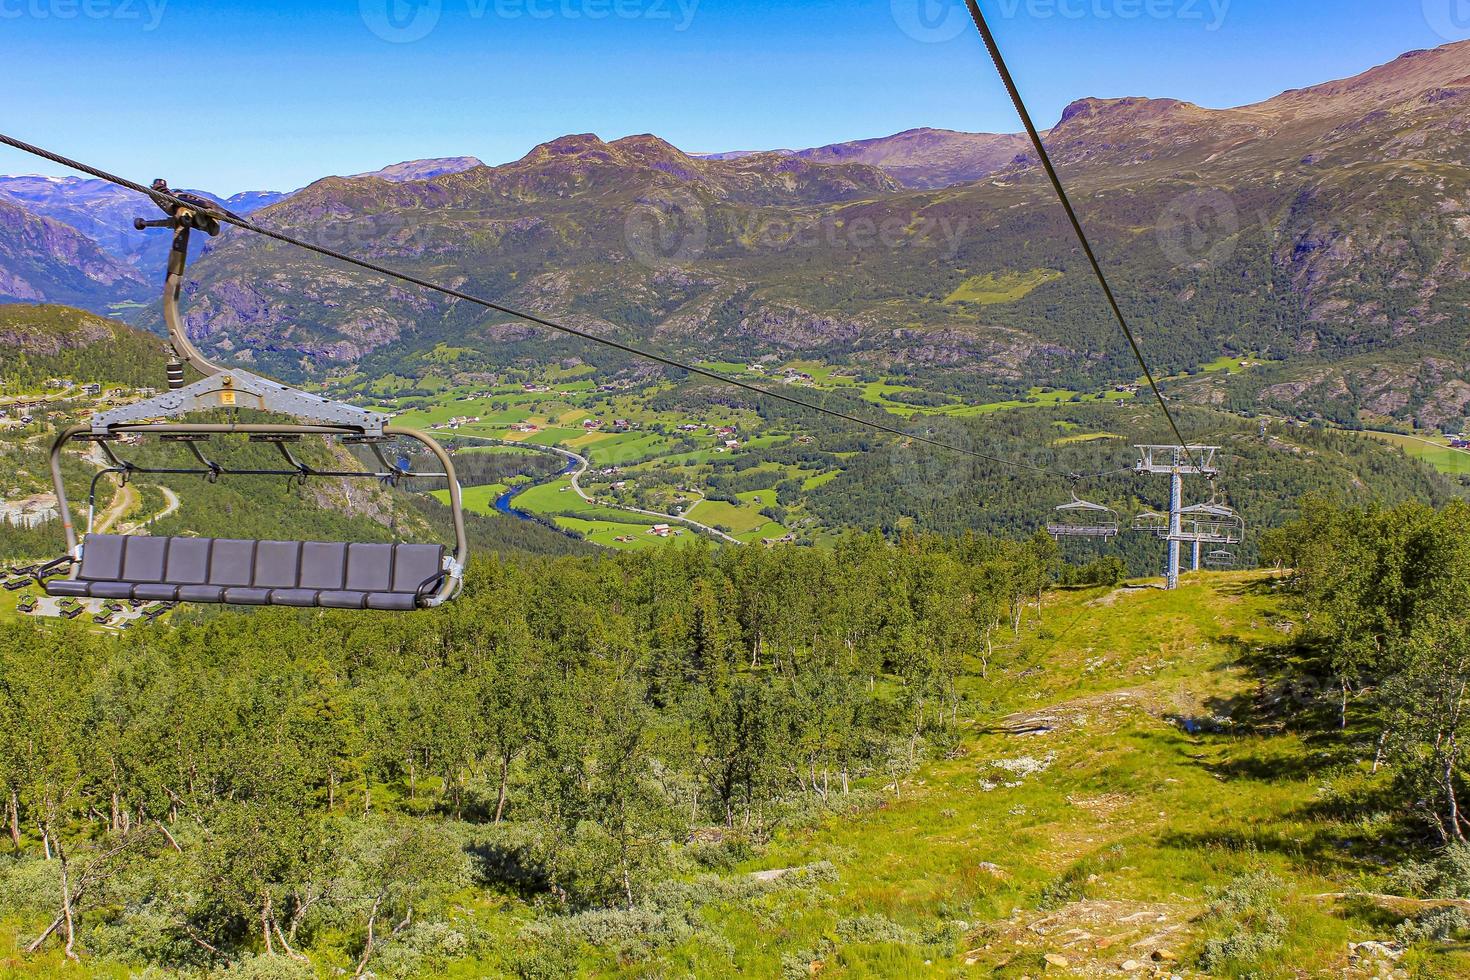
x=284, y=573
x=1152, y=522
x=1221, y=561
x=1083, y=519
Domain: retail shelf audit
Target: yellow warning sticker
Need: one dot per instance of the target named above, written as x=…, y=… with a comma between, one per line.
x=227, y=398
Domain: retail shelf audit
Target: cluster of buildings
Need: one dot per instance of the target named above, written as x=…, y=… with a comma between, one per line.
x=456, y=422
x=24, y=410
x=790, y=376
x=618, y=425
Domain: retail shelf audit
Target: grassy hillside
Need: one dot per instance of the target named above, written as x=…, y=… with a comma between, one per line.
x=39, y=342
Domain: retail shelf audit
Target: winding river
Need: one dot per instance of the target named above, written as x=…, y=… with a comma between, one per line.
x=504, y=504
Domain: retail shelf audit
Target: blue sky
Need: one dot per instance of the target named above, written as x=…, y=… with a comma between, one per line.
x=275, y=94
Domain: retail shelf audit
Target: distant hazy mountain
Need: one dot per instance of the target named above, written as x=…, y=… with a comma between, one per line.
x=741, y=154
x=248, y=202
x=42, y=260
x=104, y=212
x=425, y=169
x=920, y=158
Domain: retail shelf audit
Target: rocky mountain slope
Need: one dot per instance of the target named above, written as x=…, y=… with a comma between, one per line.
x=920, y=158
x=42, y=260
x=104, y=212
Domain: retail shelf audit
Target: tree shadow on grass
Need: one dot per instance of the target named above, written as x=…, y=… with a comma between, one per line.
x=1291, y=721
x=1337, y=851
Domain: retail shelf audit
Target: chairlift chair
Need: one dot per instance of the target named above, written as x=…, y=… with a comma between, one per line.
x=1222, y=560
x=1083, y=519
x=1152, y=522
x=337, y=575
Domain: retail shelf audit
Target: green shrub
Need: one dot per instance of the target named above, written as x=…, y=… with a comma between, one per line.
x=1446, y=876
x=265, y=967
x=1247, y=917
x=29, y=887
x=873, y=929
x=1437, y=926
x=425, y=949
x=635, y=934
x=555, y=957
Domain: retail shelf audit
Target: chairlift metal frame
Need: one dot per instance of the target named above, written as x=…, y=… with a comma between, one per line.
x=1211, y=523
x=234, y=389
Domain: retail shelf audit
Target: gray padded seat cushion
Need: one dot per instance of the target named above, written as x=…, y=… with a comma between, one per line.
x=103, y=557
x=231, y=562
x=277, y=564
x=248, y=597
x=188, y=561
x=399, y=601
x=144, y=559
x=323, y=566
x=256, y=573
x=369, y=567
x=294, y=597
x=111, y=590
x=415, y=564
x=344, y=600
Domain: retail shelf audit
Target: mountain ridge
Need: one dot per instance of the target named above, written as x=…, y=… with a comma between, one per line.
x=1323, y=249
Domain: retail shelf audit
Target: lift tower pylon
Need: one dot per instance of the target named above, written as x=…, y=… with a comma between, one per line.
x=1176, y=462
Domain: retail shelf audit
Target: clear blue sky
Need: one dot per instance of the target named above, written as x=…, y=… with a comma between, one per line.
x=279, y=94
